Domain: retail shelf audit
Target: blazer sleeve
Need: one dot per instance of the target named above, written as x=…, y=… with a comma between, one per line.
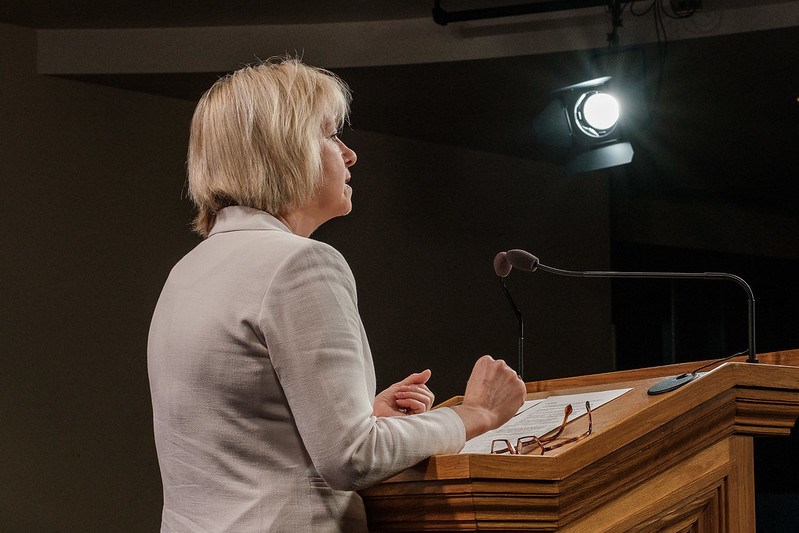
x=315, y=339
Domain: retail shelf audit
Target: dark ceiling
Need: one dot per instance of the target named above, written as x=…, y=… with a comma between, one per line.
x=47, y=14
x=157, y=13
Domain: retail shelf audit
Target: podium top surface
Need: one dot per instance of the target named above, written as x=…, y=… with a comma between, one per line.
x=735, y=398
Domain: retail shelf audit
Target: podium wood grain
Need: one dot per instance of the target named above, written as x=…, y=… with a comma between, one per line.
x=680, y=461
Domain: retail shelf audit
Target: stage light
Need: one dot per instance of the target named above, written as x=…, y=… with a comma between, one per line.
x=582, y=127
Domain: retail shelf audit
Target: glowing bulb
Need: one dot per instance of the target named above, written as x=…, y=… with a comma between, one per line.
x=601, y=111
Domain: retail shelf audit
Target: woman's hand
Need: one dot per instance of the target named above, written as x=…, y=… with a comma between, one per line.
x=407, y=397
x=493, y=395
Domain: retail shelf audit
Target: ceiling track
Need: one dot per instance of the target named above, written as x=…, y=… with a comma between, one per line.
x=443, y=17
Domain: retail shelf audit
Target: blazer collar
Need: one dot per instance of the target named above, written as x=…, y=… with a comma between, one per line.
x=239, y=218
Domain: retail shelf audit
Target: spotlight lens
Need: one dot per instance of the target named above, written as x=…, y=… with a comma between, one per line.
x=601, y=111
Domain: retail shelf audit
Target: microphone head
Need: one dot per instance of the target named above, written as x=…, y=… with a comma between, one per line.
x=501, y=264
x=522, y=260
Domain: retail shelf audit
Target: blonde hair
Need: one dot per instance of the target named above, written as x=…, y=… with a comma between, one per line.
x=255, y=138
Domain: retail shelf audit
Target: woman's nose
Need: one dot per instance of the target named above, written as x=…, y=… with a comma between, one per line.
x=349, y=155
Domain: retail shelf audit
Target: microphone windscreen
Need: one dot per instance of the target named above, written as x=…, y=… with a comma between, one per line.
x=501, y=264
x=522, y=260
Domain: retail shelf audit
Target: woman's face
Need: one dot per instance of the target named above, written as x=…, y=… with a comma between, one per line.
x=334, y=198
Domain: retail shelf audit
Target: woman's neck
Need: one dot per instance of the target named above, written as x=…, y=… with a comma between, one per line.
x=298, y=222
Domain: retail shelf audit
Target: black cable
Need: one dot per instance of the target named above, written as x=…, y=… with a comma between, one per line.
x=663, y=45
x=712, y=363
x=676, y=15
x=642, y=13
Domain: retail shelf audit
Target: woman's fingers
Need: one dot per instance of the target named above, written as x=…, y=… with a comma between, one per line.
x=418, y=399
x=419, y=378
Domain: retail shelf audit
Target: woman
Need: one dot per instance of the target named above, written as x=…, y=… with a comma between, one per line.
x=261, y=376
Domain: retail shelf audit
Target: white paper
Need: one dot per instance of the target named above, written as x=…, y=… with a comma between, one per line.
x=537, y=417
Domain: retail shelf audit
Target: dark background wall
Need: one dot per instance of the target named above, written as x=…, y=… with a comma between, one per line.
x=91, y=182
x=94, y=216
x=427, y=223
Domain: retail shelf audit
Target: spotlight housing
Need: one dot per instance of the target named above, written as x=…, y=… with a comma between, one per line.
x=582, y=127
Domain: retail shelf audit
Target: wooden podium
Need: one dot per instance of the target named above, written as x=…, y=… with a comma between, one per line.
x=679, y=461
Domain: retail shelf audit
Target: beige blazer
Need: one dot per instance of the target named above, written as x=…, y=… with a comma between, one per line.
x=262, y=385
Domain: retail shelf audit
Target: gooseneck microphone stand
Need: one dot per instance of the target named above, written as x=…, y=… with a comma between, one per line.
x=675, y=275
x=526, y=261
x=520, y=321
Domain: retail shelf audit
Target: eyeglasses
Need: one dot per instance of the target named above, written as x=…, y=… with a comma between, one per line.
x=548, y=441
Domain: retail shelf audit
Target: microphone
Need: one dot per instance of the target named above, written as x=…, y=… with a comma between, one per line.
x=502, y=265
x=504, y=262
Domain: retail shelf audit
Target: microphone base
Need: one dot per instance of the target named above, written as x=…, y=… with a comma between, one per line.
x=671, y=383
